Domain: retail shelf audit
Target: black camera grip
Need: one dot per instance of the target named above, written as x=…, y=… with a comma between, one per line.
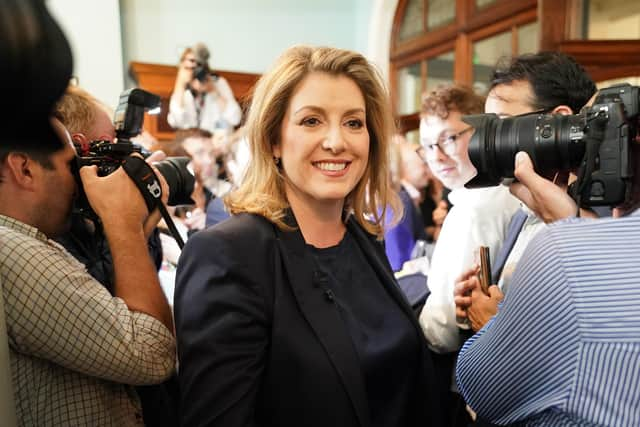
x=145, y=179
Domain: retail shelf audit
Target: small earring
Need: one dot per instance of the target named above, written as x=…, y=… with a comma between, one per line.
x=276, y=160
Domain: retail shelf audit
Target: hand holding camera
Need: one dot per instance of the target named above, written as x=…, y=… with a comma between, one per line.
x=185, y=74
x=548, y=201
x=170, y=183
x=597, y=142
x=114, y=198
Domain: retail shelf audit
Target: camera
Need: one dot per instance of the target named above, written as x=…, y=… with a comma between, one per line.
x=596, y=142
x=201, y=72
x=109, y=156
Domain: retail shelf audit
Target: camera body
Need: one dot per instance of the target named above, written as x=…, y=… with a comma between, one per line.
x=596, y=143
x=201, y=72
x=109, y=156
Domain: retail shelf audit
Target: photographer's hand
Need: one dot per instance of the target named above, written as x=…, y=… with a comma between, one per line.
x=547, y=200
x=183, y=78
x=185, y=74
x=115, y=198
x=120, y=206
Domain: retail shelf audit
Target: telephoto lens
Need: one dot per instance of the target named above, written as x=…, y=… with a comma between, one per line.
x=554, y=142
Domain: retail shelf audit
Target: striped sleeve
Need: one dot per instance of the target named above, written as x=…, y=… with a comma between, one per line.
x=522, y=362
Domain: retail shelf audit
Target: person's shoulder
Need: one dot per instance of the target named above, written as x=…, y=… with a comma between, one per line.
x=238, y=230
x=493, y=202
x=18, y=250
x=15, y=242
x=222, y=81
x=498, y=195
x=594, y=229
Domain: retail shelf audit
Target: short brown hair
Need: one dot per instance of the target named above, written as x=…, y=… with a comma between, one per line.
x=445, y=98
x=262, y=190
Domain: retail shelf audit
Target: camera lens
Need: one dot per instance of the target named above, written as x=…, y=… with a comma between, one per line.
x=180, y=180
x=554, y=143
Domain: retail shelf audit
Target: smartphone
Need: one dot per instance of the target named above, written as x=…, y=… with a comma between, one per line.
x=485, y=269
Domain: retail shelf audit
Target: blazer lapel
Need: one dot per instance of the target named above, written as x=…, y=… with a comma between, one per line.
x=319, y=308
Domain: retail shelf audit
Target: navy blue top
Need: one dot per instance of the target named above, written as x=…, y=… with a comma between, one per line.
x=382, y=335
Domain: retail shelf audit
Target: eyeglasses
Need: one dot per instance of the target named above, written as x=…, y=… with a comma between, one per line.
x=446, y=143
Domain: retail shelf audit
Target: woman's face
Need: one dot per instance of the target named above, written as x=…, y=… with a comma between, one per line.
x=324, y=145
x=445, y=143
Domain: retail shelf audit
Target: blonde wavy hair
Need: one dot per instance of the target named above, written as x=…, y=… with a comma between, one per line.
x=262, y=189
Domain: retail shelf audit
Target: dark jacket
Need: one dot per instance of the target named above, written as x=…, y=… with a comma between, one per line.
x=260, y=343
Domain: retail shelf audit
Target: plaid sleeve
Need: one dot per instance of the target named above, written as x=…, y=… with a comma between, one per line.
x=55, y=310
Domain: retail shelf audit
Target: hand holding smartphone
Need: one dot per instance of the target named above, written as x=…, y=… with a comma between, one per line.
x=484, y=275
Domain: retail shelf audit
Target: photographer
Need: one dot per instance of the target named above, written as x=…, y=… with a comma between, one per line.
x=549, y=82
x=572, y=303
x=201, y=99
x=573, y=306
x=88, y=120
x=73, y=346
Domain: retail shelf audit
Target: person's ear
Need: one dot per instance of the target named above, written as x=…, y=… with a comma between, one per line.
x=79, y=138
x=565, y=110
x=277, y=152
x=22, y=169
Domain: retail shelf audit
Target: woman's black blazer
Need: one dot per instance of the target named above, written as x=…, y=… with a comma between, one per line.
x=260, y=340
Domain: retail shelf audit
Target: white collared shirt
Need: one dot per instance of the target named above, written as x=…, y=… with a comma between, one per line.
x=479, y=217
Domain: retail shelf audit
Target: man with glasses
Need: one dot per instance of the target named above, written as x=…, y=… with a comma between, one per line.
x=479, y=217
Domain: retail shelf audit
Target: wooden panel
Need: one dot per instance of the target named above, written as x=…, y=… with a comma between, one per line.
x=436, y=50
x=517, y=20
x=605, y=59
x=603, y=52
x=408, y=123
x=463, y=62
x=503, y=10
x=160, y=79
x=418, y=45
x=553, y=19
x=466, y=21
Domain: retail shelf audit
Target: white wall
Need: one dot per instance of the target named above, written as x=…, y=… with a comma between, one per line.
x=379, y=33
x=243, y=35
x=93, y=30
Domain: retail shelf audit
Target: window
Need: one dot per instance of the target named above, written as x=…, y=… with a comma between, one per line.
x=445, y=41
x=607, y=20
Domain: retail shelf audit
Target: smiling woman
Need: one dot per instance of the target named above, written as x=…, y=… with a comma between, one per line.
x=294, y=317
x=324, y=150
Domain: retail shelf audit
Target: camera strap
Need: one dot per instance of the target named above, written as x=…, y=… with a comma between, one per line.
x=148, y=183
x=145, y=179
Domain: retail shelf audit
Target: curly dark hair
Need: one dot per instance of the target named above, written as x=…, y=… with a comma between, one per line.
x=446, y=98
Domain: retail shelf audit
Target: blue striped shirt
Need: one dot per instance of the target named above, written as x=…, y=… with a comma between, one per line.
x=564, y=348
